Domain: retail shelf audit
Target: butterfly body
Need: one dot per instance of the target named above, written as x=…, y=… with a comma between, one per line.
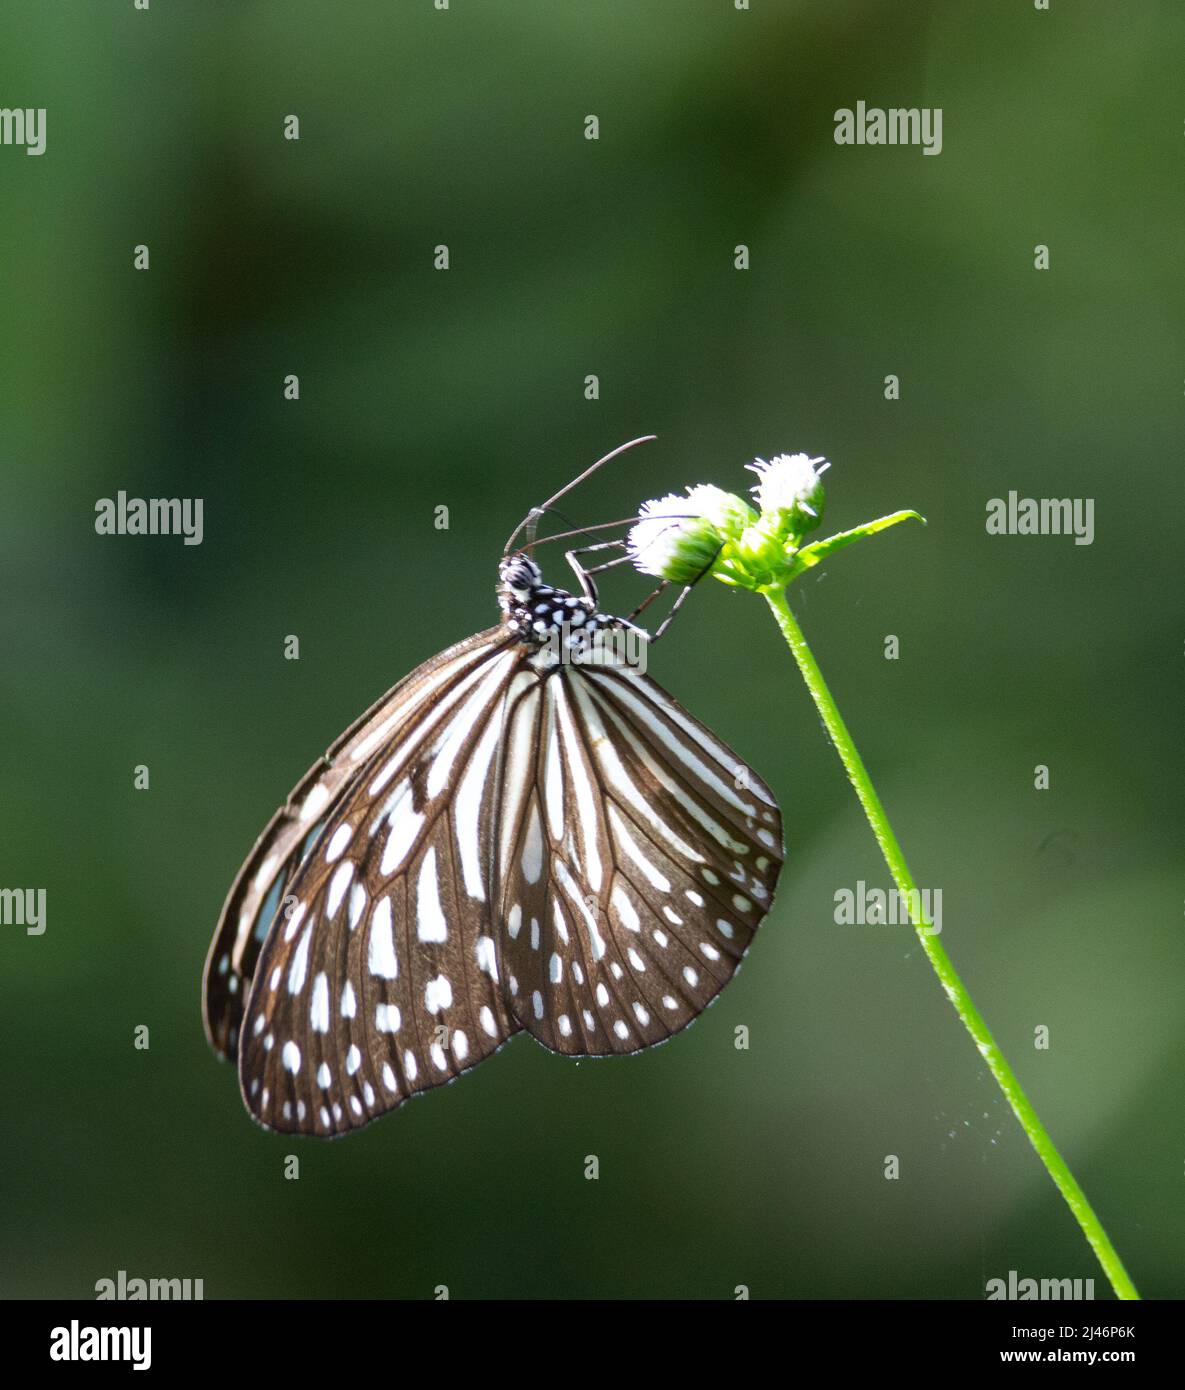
x=527, y=833
x=553, y=625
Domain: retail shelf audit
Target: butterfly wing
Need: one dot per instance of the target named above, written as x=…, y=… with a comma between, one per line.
x=378, y=980
x=637, y=857
x=263, y=882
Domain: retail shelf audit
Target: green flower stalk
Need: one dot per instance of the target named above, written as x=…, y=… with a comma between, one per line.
x=709, y=531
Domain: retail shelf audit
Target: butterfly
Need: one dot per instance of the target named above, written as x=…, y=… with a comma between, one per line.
x=525, y=834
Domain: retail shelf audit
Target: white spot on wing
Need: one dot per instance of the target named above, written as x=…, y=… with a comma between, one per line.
x=636, y=853
x=532, y=860
x=561, y=926
x=314, y=803
x=337, y=887
x=319, y=1008
x=467, y=811
x=458, y=728
x=487, y=958
x=614, y=772
x=338, y=841
x=430, y=923
x=553, y=790
x=300, y=963
x=380, y=957
x=293, y=924
x=587, y=819
x=404, y=827
x=626, y=911
x=438, y=995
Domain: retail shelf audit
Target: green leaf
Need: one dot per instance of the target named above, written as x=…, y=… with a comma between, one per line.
x=813, y=554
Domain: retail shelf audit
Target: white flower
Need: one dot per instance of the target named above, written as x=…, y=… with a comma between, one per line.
x=673, y=539
x=728, y=513
x=790, y=483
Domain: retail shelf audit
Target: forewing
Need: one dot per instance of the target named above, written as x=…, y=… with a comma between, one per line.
x=378, y=979
x=637, y=858
x=263, y=882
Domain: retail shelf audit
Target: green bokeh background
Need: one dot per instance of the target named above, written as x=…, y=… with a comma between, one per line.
x=420, y=388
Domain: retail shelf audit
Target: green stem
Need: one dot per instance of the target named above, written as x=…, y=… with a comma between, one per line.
x=948, y=977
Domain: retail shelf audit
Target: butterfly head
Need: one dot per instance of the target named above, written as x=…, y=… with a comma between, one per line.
x=518, y=575
x=539, y=614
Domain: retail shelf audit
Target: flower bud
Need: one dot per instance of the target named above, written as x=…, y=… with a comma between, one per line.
x=673, y=540
x=728, y=513
x=790, y=494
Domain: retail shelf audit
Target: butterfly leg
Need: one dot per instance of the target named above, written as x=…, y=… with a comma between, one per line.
x=587, y=585
x=687, y=588
x=584, y=574
x=669, y=619
x=648, y=600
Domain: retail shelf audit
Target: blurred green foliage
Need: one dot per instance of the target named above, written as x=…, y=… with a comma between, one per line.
x=419, y=388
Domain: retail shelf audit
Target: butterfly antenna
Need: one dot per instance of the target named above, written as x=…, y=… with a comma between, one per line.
x=531, y=520
x=605, y=526
x=586, y=531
